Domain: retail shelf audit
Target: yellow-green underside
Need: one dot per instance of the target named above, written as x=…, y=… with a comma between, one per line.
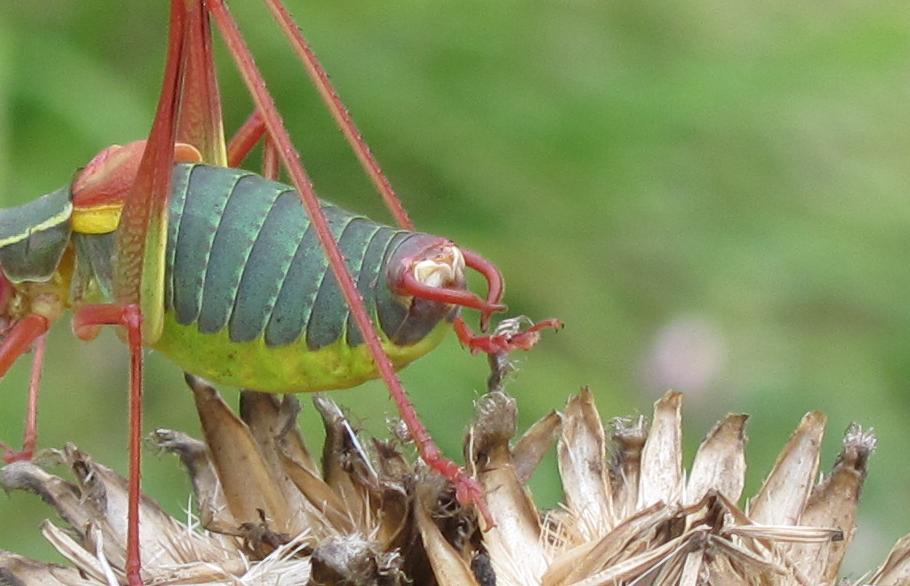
x=292, y=368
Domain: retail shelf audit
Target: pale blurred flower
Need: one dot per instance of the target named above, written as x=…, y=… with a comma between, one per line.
x=688, y=354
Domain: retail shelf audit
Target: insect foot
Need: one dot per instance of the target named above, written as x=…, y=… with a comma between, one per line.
x=10, y=455
x=470, y=493
x=508, y=335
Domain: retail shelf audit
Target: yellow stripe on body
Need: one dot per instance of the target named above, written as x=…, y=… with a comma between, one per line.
x=102, y=219
x=53, y=221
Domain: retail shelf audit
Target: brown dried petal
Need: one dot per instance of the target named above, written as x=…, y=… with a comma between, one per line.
x=634, y=567
x=724, y=571
x=289, y=433
x=628, y=439
x=670, y=569
x=160, y=535
x=213, y=507
x=567, y=561
x=581, y=458
x=514, y=543
x=749, y=561
x=617, y=545
x=393, y=466
x=786, y=533
x=93, y=564
x=661, y=460
x=327, y=510
x=449, y=567
x=833, y=504
x=261, y=412
x=895, y=571
x=533, y=445
x=245, y=476
x=785, y=492
x=720, y=463
x=339, y=453
x=63, y=496
x=695, y=571
x=16, y=570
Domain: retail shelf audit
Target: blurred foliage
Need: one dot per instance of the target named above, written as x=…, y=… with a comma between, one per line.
x=712, y=195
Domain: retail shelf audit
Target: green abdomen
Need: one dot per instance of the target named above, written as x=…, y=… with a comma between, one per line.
x=250, y=299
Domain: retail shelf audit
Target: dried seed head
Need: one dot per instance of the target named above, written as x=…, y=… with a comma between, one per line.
x=495, y=416
x=370, y=515
x=352, y=559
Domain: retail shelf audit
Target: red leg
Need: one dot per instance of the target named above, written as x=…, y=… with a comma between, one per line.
x=19, y=338
x=142, y=233
x=30, y=435
x=496, y=288
x=371, y=166
x=468, y=490
x=188, y=89
x=340, y=113
x=199, y=121
x=507, y=336
x=141, y=237
x=406, y=283
x=270, y=161
x=29, y=330
x=245, y=139
x=85, y=324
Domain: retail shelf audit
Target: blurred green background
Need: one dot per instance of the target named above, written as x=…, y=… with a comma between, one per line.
x=711, y=194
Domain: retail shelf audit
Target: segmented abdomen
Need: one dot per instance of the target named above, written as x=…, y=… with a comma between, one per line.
x=243, y=256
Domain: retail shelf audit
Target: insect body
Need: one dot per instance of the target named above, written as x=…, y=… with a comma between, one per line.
x=222, y=270
x=252, y=285
x=249, y=298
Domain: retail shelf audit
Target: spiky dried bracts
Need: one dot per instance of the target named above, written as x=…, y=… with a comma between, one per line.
x=270, y=512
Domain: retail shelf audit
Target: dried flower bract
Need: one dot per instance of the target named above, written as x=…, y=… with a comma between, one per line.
x=368, y=514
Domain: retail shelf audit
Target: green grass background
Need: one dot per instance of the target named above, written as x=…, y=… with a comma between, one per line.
x=721, y=181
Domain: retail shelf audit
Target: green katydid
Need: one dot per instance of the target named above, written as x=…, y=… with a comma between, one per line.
x=226, y=271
